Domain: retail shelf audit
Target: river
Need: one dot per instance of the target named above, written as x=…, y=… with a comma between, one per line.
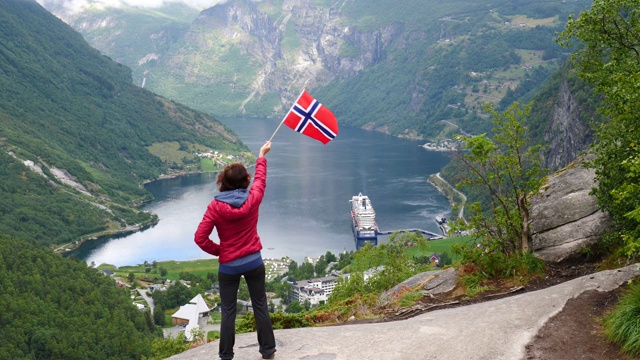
x=306, y=207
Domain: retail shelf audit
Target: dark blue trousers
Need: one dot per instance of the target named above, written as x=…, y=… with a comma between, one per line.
x=229, y=284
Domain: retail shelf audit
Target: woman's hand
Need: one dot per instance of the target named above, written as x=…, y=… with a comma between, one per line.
x=265, y=149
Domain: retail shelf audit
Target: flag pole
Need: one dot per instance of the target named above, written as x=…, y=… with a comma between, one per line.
x=278, y=128
x=285, y=115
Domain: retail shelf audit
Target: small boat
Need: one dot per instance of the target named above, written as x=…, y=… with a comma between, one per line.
x=442, y=224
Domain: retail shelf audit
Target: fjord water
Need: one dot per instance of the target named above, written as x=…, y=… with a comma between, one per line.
x=306, y=209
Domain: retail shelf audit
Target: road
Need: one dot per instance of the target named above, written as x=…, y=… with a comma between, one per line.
x=461, y=213
x=148, y=299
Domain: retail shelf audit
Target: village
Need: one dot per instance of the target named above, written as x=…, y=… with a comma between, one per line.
x=199, y=317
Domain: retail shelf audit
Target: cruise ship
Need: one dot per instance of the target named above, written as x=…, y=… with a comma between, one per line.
x=364, y=227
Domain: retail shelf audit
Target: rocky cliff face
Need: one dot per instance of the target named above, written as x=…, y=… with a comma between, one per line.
x=568, y=134
x=266, y=55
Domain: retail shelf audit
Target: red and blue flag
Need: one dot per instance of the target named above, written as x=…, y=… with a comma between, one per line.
x=309, y=117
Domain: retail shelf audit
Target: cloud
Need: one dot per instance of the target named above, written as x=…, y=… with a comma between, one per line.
x=75, y=6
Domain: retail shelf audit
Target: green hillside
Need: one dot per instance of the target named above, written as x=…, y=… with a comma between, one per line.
x=75, y=133
x=454, y=58
x=55, y=308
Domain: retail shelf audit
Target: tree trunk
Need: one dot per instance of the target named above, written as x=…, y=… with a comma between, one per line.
x=525, y=241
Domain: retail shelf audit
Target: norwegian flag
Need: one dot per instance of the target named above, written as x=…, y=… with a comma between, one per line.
x=309, y=117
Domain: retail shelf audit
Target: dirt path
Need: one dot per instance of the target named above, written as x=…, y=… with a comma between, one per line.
x=576, y=332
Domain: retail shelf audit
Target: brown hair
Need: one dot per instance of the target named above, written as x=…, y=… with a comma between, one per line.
x=234, y=176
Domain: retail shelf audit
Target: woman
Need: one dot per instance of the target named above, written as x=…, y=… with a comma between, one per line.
x=234, y=213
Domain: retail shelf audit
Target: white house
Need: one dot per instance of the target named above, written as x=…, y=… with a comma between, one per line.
x=190, y=314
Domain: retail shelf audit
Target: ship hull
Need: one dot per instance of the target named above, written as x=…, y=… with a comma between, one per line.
x=362, y=237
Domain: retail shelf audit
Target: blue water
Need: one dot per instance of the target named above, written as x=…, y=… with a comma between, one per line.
x=306, y=207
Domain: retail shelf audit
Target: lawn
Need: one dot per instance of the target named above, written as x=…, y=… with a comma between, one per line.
x=207, y=165
x=199, y=267
x=439, y=246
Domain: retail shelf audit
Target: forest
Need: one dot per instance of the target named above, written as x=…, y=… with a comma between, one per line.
x=56, y=308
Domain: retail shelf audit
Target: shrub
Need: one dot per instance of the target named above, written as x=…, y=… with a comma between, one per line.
x=480, y=263
x=622, y=325
x=280, y=320
x=164, y=348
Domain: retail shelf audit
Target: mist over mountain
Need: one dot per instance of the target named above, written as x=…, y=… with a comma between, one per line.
x=71, y=7
x=396, y=67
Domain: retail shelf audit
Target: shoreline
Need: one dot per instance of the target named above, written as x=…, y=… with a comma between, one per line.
x=435, y=180
x=131, y=229
x=68, y=247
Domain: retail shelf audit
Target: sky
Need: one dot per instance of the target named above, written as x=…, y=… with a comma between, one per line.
x=74, y=6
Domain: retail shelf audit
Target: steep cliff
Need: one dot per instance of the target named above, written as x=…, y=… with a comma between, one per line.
x=397, y=67
x=567, y=133
x=250, y=62
x=563, y=118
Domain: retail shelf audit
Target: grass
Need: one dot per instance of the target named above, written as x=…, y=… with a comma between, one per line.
x=530, y=56
x=410, y=299
x=622, y=325
x=439, y=246
x=174, y=268
x=213, y=335
x=168, y=322
x=523, y=19
x=215, y=316
x=169, y=152
x=208, y=165
x=199, y=267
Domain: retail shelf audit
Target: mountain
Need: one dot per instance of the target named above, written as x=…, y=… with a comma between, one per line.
x=398, y=67
x=129, y=35
x=77, y=138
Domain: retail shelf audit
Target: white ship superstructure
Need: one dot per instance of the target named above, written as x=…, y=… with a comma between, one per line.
x=364, y=224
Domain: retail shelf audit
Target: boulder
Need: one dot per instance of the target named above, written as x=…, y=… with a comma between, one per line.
x=430, y=282
x=565, y=217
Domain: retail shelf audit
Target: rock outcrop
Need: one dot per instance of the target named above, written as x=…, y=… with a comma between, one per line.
x=430, y=282
x=566, y=218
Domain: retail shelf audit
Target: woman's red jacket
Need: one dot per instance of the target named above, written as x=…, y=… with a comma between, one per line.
x=237, y=227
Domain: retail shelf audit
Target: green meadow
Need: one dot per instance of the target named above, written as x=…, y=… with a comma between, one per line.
x=199, y=267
